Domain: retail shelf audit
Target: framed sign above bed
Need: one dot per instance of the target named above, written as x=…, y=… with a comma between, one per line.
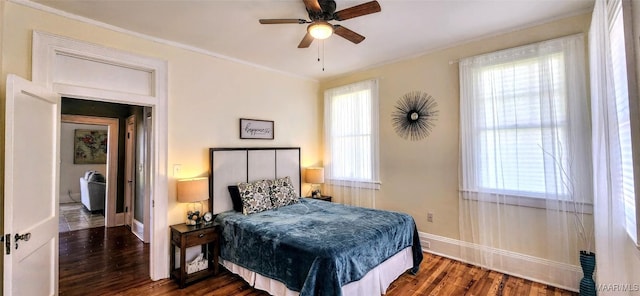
x=256, y=129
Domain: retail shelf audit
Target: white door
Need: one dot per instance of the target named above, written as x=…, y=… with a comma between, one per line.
x=129, y=172
x=32, y=141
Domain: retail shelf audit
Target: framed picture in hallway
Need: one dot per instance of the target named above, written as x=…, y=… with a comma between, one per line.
x=90, y=146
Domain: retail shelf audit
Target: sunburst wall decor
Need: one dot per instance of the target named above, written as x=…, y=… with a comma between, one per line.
x=415, y=115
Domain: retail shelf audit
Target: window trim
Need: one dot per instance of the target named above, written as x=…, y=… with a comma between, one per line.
x=374, y=185
x=560, y=127
x=527, y=201
x=471, y=185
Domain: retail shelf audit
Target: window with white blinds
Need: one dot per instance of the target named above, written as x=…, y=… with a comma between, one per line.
x=351, y=132
x=525, y=123
x=619, y=65
x=510, y=134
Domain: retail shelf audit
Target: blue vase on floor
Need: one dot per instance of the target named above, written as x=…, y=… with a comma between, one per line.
x=588, y=264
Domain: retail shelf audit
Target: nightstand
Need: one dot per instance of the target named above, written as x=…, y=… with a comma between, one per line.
x=324, y=197
x=184, y=236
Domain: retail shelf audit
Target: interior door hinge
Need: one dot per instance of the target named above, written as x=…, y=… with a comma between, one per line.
x=7, y=242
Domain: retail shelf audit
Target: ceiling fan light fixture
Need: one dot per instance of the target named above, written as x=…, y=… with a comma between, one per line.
x=320, y=30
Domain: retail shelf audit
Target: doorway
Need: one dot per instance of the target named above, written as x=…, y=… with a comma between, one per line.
x=120, y=119
x=69, y=181
x=81, y=201
x=134, y=79
x=127, y=156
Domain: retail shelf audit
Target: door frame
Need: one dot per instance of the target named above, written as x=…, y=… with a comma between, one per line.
x=77, y=69
x=130, y=172
x=112, y=160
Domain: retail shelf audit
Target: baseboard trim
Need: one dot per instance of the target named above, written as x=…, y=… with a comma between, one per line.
x=64, y=198
x=561, y=275
x=119, y=219
x=138, y=229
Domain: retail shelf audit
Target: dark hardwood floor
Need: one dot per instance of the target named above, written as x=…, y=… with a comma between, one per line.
x=114, y=262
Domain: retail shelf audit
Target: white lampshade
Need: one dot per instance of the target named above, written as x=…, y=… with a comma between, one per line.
x=192, y=190
x=320, y=30
x=315, y=175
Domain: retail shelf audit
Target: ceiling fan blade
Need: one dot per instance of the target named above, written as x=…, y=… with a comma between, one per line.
x=283, y=21
x=358, y=10
x=312, y=5
x=347, y=34
x=306, y=41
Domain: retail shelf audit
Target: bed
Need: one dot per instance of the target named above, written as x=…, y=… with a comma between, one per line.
x=311, y=247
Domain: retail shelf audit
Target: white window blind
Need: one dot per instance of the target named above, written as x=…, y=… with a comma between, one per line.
x=619, y=65
x=510, y=134
x=524, y=116
x=351, y=132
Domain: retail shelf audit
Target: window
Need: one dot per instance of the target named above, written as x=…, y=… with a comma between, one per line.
x=514, y=126
x=351, y=134
x=524, y=122
x=620, y=80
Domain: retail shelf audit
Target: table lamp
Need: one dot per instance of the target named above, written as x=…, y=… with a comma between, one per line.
x=193, y=191
x=315, y=176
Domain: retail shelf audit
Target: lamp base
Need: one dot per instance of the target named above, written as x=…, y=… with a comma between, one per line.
x=193, y=215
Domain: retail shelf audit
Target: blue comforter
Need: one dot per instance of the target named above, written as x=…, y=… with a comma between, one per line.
x=315, y=247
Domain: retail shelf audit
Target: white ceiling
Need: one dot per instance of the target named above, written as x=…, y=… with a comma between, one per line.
x=403, y=29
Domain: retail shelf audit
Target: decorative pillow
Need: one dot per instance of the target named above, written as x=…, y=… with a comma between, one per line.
x=235, y=198
x=282, y=192
x=97, y=177
x=255, y=197
x=88, y=174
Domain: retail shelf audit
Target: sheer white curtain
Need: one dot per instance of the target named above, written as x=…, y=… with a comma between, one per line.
x=525, y=176
x=351, y=143
x=613, y=171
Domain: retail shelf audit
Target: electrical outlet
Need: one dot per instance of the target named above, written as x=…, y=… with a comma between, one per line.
x=176, y=169
x=427, y=245
x=429, y=217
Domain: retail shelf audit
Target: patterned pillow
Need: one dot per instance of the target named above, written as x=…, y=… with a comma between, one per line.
x=255, y=197
x=282, y=192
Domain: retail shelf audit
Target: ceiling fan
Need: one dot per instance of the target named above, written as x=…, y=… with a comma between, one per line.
x=323, y=11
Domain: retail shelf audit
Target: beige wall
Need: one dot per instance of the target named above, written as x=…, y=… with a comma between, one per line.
x=422, y=176
x=71, y=173
x=207, y=95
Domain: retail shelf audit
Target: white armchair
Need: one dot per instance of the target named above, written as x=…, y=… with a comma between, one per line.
x=92, y=191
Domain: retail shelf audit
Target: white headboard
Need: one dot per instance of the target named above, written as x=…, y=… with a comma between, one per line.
x=228, y=166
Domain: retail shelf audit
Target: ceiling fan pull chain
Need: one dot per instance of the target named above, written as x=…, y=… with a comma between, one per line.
x=322, y=55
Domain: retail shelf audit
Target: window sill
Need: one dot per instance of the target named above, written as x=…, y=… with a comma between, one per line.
x=530, y=202
x=375, y=185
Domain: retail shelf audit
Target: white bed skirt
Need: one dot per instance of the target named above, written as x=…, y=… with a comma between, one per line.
x=375, y=282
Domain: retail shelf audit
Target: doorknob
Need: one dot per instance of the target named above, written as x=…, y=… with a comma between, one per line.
x=25, y=237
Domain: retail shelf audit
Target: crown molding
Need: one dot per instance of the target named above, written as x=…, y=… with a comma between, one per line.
x=41, y=7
